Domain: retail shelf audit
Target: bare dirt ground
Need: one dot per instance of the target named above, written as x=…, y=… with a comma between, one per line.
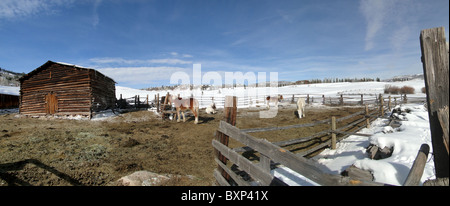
x=36, y=151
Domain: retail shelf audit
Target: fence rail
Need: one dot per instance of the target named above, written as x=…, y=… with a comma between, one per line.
x=257, y=172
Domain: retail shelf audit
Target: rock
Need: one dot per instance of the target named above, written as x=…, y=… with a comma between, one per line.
x=356, y=173
x=386, y=152
x=376, y=153
x=373, y=151
x=142, y=178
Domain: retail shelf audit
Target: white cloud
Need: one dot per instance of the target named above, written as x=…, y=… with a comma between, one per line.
x=400, y=37
x=22, y=8
x=389, y=22
x=375, y=12
x=96, y=19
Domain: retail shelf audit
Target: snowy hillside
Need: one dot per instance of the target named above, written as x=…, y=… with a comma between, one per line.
x=9, y=90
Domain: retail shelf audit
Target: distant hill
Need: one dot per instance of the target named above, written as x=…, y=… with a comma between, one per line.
x=9, y=78
x=402, y=78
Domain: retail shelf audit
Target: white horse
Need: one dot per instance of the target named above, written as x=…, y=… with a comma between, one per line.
x=274, y=100
x=301, y=107
x=211, y=109
x=185, y=104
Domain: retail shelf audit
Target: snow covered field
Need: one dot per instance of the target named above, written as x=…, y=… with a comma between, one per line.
x=9, y=90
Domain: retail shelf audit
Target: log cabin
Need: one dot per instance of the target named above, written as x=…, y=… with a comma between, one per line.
x=65, y=90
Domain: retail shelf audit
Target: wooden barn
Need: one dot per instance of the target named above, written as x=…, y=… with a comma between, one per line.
x=62, y=89
x=9, y=101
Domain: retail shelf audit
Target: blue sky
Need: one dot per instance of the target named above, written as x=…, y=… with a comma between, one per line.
x=141, y=43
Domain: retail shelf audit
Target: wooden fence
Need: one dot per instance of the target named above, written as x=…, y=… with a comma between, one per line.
x=435, y=59
x=244, y=172
x=260, y=100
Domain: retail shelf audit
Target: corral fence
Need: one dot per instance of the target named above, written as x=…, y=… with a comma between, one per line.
x=236, y=169
x=347, y=99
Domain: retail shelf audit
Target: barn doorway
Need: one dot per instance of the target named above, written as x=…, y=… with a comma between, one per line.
x=51, y=103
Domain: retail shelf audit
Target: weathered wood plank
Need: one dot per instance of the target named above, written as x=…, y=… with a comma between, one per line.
x=256, y=172
x=234, y=176
x=277, y=154
x=435, y=69
x=219, y=178
x=230, y=113
x=443, y=119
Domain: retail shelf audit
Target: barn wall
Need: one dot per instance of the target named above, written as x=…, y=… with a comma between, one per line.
x=103, y=91
x=69, y=84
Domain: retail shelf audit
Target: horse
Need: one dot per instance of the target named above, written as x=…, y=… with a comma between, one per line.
x=182, y=105
x=274, y=100
x=211, y=109
x=301, y=107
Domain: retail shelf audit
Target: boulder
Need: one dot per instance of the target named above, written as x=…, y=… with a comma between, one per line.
x=142, y=178
x=376, y=153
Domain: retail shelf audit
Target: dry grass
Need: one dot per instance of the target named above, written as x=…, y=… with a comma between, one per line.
x=82, y=152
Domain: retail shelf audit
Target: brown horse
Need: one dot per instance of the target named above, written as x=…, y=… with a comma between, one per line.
x=274, y=100
x=184, y=104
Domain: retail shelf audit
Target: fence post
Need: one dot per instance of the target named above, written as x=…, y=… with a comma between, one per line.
x=292, y=100
x=307, y=99
x=333, y=135
x=230, y=112
x=157, y=103
x=381, y=105
x=362, y=99
x=389, y=103
x=435, y=70
x=416, y=172
x=323, y=99
x=367, y=117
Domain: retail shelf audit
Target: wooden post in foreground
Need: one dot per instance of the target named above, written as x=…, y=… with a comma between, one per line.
x=333, y=135
x=435, y=70
x=416, y=172
x=229, y=116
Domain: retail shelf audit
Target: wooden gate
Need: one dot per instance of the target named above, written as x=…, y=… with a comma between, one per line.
x=51, y=103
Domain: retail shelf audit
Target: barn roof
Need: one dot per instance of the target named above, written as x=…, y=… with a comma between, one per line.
x=48, y=63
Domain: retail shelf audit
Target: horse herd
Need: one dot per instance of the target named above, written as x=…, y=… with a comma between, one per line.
x=182, y=105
